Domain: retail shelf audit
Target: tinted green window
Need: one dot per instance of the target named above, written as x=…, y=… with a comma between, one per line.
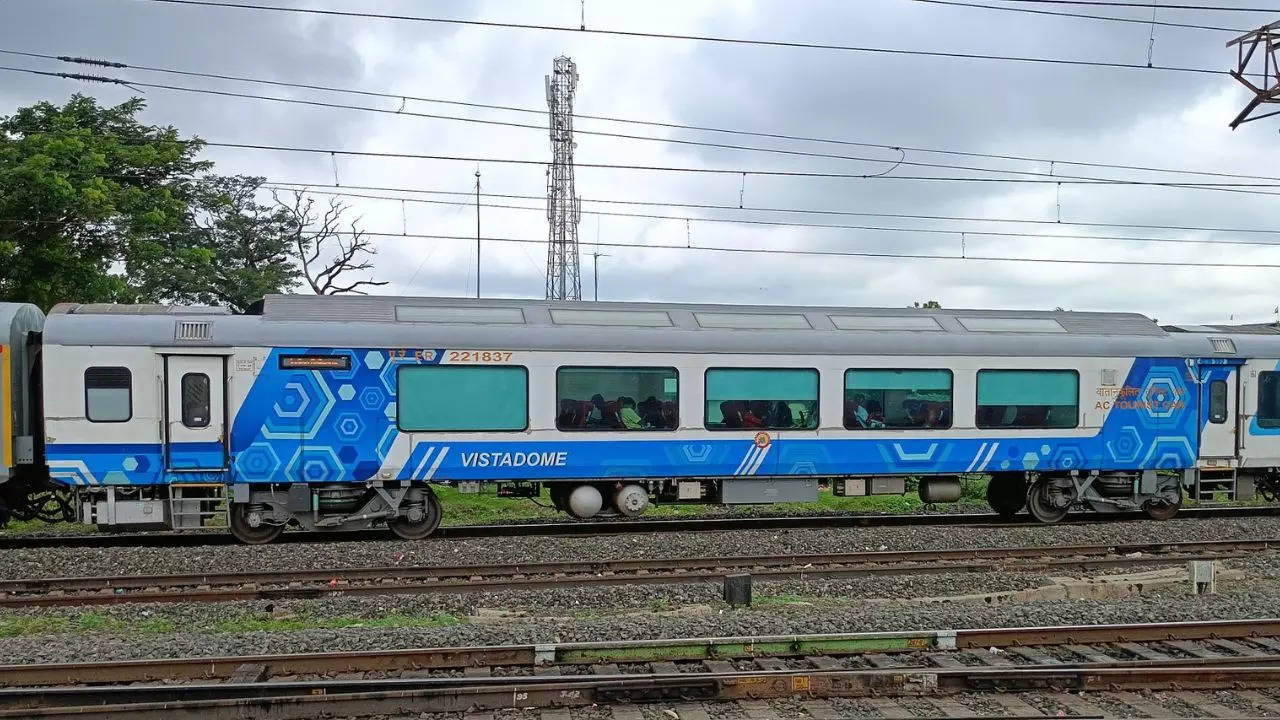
x=1028, y=399
x=773, y=399
x=617, y=398
x=893, y=399
x=462, y=398
x=1269, y=399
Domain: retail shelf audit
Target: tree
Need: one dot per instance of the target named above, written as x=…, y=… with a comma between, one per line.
x=326, y=253
x=927, y=305
x=234, y=251
x=82, y=187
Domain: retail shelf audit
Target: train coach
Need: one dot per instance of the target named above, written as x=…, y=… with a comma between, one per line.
x=343, y=412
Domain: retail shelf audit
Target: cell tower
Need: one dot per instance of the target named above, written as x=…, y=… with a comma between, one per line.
x=563, y=205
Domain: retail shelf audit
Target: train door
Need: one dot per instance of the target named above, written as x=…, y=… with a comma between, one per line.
x=195, y=412
x=1260, y=413
x=1219, y=416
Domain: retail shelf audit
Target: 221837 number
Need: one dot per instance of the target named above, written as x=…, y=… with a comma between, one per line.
x=479, y=356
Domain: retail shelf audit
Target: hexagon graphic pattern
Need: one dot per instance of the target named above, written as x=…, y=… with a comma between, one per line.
x=1067, y=457
x=328, y=425
x=316, y=465
x=1125, y=447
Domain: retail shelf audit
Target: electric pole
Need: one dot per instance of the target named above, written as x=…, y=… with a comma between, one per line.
x=563, y=206
x=477, y=233
x=1265, y=41
x=595, y=273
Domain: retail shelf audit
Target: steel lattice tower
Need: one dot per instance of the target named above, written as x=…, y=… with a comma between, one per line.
x=563, y=206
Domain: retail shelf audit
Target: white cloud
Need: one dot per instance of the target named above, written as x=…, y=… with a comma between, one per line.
x=1110, y=116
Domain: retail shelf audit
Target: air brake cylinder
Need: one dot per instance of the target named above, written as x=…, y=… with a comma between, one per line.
x=939, y=490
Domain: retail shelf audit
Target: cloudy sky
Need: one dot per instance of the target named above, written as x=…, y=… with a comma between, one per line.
x=1059, y=112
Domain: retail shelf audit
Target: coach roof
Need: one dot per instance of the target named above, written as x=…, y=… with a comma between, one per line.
x=504, y=324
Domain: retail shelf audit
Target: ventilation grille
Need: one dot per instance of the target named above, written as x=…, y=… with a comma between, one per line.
x=194, y=330
x=1223, y=345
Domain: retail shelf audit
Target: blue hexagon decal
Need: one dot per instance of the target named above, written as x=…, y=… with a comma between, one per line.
x=365, y=470
x=1067, y=457
x=315, y=465
x=1169, y=452
x=374, y=359
x=302, y=409
x=371, y=398
x=1125, y=447
x=345, y=374
x=257, y=462
x=350, y=426
x=348, y=454
x=1162, y=397
x=346, y=391
x=144, y=463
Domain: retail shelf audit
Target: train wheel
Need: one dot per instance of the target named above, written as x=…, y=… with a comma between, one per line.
x=1165, y=505
x=423, y=518
x=1047, y=501
x=1007, y=494
x=247, y=525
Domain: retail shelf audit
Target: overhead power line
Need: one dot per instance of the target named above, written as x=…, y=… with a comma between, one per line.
x=1121, y=4
x=833, y=253
x=402, y=98
x=1245, y=188
x=953, y=232
x=789, y=210
x=690, y=37
x=1085, y=16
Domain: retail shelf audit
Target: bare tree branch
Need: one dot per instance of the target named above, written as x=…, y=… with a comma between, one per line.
x=326, y=252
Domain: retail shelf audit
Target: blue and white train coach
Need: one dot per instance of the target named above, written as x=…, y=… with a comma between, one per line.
x=341, y=413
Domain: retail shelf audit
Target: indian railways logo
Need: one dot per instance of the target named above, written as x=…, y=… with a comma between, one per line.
x=762, y=440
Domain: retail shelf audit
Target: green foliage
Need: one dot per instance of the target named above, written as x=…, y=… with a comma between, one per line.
x=98, y=207
x=234, y=251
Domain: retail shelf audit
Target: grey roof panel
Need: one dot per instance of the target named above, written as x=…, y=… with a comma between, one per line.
x=306, y=321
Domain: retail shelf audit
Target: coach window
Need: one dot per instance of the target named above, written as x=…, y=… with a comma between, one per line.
x=877, y=399
x=108, y=394
x=761, y=399
x=462, y=398
x=1218, y=402
x=1028, y=399
x=617, y=398
x=195, y=400
x=1269, y=399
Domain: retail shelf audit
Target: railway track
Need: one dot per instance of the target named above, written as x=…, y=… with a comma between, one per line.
x=616, y=527
x=1197, y=669
x=222, y=587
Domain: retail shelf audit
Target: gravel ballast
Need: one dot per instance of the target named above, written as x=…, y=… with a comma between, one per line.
x=633, y=613
x=63, y=562
x=693, y=622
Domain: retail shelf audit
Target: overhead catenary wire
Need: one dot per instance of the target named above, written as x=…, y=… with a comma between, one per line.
x=833, y=253
x=891, y=163
x=790, y=210
x=687, y=37
x=815, y=226
x=1147, y=5
x=1084, y=16
x=623, y=120
x=1043, y=179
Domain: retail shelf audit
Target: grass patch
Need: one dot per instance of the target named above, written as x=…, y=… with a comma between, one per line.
x=487, y=508
x=256, y=624
x=776, y=600
x=15, y=625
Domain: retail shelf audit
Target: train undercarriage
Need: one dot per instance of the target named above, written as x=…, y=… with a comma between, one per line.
x=258, y=513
